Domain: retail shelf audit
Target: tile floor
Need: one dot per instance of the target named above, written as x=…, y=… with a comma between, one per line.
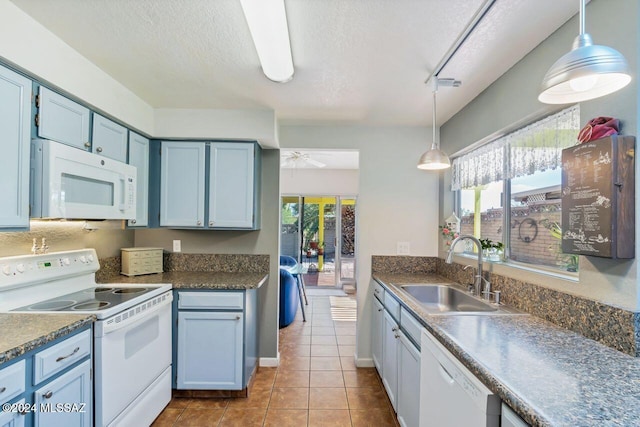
x=316, y=384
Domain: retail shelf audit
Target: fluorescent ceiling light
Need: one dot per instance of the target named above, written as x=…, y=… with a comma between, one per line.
x=589, y=71
x=267, y=20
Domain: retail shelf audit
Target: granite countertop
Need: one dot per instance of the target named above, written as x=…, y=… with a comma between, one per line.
x=29, y=331
x=197, y=279
x=549, y=375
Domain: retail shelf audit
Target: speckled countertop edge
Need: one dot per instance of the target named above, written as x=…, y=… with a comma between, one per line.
x=30, y=331
x=210, y=280
x=607, y=382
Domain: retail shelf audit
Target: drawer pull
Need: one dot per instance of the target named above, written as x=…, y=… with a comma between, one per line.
x=48, y=395
x=61, y=358
x=237, y=317
x=379, y=309
x=394, y=329
x=3, y=389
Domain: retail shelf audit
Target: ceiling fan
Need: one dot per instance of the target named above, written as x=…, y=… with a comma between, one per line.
x=297, y=159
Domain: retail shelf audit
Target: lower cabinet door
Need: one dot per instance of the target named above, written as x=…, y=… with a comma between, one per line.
x=210, y=353
x=66, y=401
x=390, y=335
x=376, y=334
x=14, y=418
x=408, y=383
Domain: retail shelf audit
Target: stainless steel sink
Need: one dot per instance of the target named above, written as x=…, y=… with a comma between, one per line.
x=445, y=299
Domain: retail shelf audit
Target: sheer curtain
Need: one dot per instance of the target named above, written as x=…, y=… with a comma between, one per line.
x=536, y=147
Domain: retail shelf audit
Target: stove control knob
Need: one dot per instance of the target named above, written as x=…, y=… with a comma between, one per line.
x=90, y=258
x=20, y=268
x=6, y=269
x=66, y=261
x=83, y=259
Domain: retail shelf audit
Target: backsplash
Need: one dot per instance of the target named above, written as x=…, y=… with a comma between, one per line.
x=228, y=263
x=612, y=326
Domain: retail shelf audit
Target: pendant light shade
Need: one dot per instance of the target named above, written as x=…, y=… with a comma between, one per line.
x=589, y=71
x=435, y=158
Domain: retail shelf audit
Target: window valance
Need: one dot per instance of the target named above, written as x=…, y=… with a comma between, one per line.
x=536, y=147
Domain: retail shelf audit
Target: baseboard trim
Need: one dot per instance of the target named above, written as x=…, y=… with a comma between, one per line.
x=270, y=362
x=364, y=363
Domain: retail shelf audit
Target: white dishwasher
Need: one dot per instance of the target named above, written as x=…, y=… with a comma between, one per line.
x=450, y=395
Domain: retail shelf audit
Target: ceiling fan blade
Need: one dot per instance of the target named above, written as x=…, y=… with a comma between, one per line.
x=315, y=163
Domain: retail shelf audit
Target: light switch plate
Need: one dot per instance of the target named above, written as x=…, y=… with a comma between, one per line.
x=403, y=248
x=177, y=246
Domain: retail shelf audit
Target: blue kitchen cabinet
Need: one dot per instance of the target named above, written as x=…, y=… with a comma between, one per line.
x=376, y=337
x=215, y=339
x=15, y=139
x=182, y=184
x=68, y=397
x=232, y=185
x=221, y=176
x=139, y=157
x=54, y=380
x=390, y=352
x=62, y=120
x=109, y=139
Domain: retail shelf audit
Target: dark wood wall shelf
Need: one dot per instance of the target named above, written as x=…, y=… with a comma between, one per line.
x=598, y=198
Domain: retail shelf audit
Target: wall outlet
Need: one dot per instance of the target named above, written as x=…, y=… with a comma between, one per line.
x=403, y=248
x=177, y=246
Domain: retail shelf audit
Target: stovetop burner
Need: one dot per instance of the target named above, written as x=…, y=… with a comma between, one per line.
x=52, y=305
x=91, y=305
x=130, y=290
x=90, y=299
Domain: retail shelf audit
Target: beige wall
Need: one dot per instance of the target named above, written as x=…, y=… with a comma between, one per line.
x=513, y=98
x=319, y=182
x=396, y=201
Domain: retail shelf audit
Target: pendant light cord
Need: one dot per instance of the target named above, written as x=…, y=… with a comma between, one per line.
x=434, y=144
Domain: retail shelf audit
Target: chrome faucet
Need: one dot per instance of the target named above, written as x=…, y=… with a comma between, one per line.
x=478, y=278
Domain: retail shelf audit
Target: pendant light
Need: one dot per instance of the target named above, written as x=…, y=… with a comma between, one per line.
x=589, y=71
x=435, y=158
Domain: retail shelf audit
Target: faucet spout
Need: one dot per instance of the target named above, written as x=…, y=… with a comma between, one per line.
x=479, y=278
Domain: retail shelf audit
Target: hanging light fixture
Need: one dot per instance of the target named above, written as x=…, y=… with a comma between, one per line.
x=267, y=20
x=435, y=158
x=589, y=71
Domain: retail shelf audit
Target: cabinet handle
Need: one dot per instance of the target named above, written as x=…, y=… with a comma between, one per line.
x=237, y=317
x=210, y=223
x=397, y=336
x=395, y=328
x=3, y=389
x=87, y=144
x=133, y=221
x=48, y=395
x=377, y=291
x=61, y=358
x=199, y=223
x=99, y=149
x=379, y=309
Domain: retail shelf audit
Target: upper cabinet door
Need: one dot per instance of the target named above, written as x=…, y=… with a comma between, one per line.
x=182, y=179
x=15, y=138
x=231, y=185
x=109, y=139
x=62, y=120
x=139, y=157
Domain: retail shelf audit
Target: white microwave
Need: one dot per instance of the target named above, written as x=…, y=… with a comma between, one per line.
x=70, y=183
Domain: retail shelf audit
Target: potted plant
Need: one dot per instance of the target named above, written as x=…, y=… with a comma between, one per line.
x=320, y=248
x=313, y=244
x=492, y=251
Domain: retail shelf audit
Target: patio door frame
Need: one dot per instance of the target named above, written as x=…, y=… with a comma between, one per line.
x=340, y=281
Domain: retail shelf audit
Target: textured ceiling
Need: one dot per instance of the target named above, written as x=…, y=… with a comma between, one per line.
x=356, y=61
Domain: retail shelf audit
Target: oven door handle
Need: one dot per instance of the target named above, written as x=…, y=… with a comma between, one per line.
x=118, y=322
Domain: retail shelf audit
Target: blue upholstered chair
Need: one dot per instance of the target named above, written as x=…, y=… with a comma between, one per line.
x=287, y=260
x=288, y=298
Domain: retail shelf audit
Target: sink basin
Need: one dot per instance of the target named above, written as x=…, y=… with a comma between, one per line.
x=444, y=299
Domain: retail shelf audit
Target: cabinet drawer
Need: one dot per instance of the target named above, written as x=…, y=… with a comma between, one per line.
x=54, y=359
x=410, y=325
x=378, y=291
x=12, y=381
x=211, y=300
x=392, y=305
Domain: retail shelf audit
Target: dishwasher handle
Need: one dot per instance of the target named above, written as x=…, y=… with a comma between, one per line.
x=445, y=374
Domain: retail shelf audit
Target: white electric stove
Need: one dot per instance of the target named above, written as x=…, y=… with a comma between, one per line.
x=132, y=336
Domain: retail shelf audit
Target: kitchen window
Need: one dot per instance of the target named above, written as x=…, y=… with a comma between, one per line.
x=509, y=191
